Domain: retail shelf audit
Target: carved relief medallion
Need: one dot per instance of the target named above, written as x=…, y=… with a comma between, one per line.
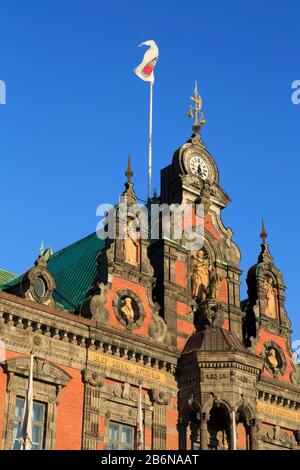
x=128, y=309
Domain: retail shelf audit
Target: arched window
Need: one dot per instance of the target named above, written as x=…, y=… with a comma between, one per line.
x=218, y=428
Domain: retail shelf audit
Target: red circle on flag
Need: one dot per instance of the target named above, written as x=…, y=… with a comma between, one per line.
x=148, y=70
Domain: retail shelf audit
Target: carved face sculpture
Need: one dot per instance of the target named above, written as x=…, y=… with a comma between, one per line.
x=127, y=309
x=272, y=358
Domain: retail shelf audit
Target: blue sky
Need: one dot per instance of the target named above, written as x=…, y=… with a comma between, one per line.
x=75, y=110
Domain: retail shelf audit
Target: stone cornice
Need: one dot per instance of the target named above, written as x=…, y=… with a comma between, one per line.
x=276, y=391
x=20, y=309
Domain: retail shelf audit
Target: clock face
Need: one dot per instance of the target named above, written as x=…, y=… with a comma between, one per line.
x=199, y=166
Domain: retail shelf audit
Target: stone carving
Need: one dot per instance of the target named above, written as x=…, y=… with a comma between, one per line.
x=277, y=434
x=270, y=298
x=127, y=309
x=205, y=197
x=124, y=391
x=95, y=379
x=207, y=315
x=158, y=329
x=275, y=359
x=98, y=311
x=94, y=305
x=42, y=370
x=198, y=184
x=256, y=310
x=131, y=244
x=272, y=359
x=38, y=284
x=37, y=340
x=200, y=275
x=159, y=397
x=214, y=286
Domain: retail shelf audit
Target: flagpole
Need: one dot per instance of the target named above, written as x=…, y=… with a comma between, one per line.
x=26, y=424
x=139, y=440
x=150, y=142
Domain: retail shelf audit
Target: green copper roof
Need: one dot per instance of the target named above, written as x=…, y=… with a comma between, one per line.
x=74, y=269
x=6, y=276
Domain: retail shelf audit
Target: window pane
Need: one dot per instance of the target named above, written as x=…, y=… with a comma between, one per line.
x=38, y=411
x=36, y=435
x=113, y=432
x=126, y=435
x=37, y=428
x=19, y=408
x=121, y=437
x=16, y=434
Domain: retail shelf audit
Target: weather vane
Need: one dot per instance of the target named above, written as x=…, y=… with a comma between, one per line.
x=195, y=110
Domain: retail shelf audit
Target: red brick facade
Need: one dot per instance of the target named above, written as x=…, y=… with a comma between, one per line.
x=214, y=372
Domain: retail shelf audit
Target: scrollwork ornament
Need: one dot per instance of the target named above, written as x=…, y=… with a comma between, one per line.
x=159, y=397
x=92, y=378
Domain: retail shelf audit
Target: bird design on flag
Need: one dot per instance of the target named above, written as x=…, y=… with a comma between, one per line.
x=145, y=71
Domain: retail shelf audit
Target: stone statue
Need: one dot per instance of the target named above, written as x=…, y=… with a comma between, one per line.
x=272, y=359
x=214, y=286
x=127, y=309
x=130, y=244
x=270, y=298
x=200, y=275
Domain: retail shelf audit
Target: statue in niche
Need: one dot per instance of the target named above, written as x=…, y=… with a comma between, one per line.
x=127, y=309
x=270, y=298
x=200, y=275
x=131, y=243
x=272, y=359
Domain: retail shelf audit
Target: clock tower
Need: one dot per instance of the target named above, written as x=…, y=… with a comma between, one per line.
x=190, y=180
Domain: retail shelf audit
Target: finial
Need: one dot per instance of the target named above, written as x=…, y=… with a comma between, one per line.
x=195, y=111
x=129, y=172
x=129, y=191
x=263, y=234
x=42, y=249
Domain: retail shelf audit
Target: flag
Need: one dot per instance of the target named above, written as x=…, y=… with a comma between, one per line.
x=145, y=70
x=139, y=423
x=26, y=424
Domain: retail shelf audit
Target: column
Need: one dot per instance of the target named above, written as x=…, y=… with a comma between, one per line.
x=203, y=431
x=253, y=434
x=91, y=413
x=232, y=430
x=160, y=400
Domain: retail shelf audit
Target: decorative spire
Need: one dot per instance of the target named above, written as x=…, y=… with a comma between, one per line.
x=129, y=193
x=263, y=234
x=129, y=172
x=44, y=256
x=195, y=111
x=42, y=249
x=265, y=254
